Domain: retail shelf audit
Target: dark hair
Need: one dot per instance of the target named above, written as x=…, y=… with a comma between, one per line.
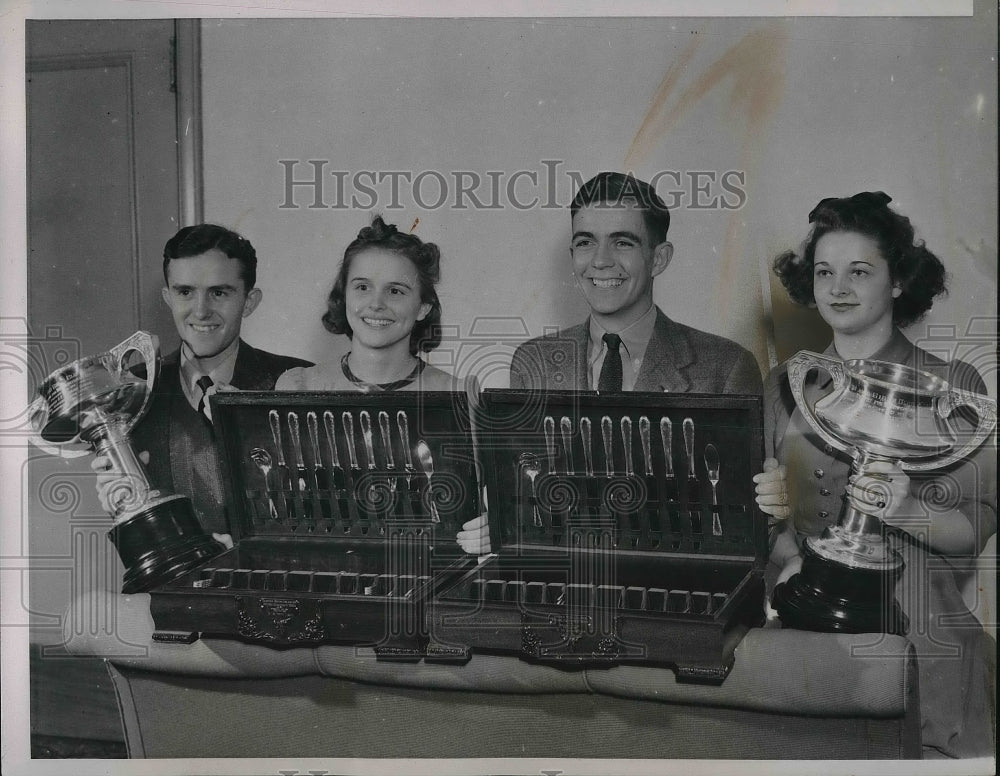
x=198, y=239
x=613, y=188
x=918, y=273
x=426, y=257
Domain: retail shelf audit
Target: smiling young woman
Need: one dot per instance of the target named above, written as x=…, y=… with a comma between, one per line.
x=861, y=267
x=384, y=300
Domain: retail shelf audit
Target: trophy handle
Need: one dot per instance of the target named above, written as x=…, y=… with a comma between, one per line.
x=148, y=346
x=798, y=366
x=75, y=448
x=986, y=410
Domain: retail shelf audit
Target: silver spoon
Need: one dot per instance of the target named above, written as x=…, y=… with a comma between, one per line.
x=424, y=456
x=262, y=459
x=532, y=468
x=712, y=466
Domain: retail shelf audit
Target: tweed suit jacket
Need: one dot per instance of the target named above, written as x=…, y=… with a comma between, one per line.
x=678, y=359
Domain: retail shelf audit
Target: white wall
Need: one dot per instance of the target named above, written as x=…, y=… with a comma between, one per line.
x=806, y=108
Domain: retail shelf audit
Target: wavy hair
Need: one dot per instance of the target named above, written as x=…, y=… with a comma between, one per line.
x=615, y=188
x=426, y=257
x=915, y=270
x=201, y=238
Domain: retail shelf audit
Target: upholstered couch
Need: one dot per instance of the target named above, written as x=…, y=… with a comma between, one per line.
x=790, y=694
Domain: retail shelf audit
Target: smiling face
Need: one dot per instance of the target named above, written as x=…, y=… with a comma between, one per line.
x=382, y=299
x=614, y=262
x=209, y=300
x=852, y=284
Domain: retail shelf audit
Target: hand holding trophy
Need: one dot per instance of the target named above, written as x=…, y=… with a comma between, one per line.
x=877, y=411
x=91, y=406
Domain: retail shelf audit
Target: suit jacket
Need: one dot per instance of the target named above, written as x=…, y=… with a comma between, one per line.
x=163, y=429
x=678, y=359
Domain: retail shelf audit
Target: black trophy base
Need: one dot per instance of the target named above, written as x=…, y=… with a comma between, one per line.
x=831, y=597
x=160, y=543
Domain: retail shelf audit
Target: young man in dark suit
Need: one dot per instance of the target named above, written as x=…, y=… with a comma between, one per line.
x=210, y=274
x=619, y=246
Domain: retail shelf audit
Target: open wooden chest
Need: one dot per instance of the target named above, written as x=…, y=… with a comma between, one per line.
x=343, y=509
x=624, y=528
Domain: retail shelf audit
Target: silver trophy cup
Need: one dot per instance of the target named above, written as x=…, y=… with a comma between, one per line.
x=877, y=411
x=91, y=406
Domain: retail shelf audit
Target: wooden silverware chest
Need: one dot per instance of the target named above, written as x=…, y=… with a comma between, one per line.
x=341, y=528
x=623, y=526
x=612, y=543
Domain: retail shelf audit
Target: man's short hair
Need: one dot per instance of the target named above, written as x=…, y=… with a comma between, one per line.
x=614, y=188
x=201, y=238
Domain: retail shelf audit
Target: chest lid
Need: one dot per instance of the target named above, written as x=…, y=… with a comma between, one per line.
x=346, y=466
x=652, y=474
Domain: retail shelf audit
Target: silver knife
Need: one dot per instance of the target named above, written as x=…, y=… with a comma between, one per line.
x=688, y=428
x=588, y=453
x=331, y=438
x=667, y=438
x=647, y=453
x=566, y=428
x=383, y=424
x=284, y=476
x=626, y=425
x=609, y=457
x=320, y=478
x=348, y=420
x=549, y=425
x=300, y=463
x=390, y=463
x=366, y=434
x=339, y=481
x=404, y=438
x=275, y=421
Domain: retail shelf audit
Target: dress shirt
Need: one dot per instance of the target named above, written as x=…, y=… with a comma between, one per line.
x=191, y=372
x=635, y=338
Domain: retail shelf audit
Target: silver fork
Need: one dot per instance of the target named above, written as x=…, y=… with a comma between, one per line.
x=712, y=466
x=532, y=468
x=262, y=459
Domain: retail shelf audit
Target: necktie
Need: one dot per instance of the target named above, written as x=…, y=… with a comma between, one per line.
x=204, y=382
x=611, y=370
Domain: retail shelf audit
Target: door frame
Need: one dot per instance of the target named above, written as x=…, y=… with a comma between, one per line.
x=190, y=167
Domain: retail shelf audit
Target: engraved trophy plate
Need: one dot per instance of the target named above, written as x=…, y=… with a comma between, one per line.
x=877, y=411
x=91, y=406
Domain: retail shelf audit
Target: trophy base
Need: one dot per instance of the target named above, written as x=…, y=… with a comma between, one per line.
x=864, y=550
x=834, y=597
x=161, y=542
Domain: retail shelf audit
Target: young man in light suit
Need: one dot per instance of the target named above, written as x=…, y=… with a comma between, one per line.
x=619, y=246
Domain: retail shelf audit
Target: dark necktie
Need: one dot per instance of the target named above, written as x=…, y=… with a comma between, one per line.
x=204, y=382
x=610, y=378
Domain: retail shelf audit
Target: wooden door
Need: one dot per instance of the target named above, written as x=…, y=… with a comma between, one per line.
x=103, y=198
x=102, y=177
